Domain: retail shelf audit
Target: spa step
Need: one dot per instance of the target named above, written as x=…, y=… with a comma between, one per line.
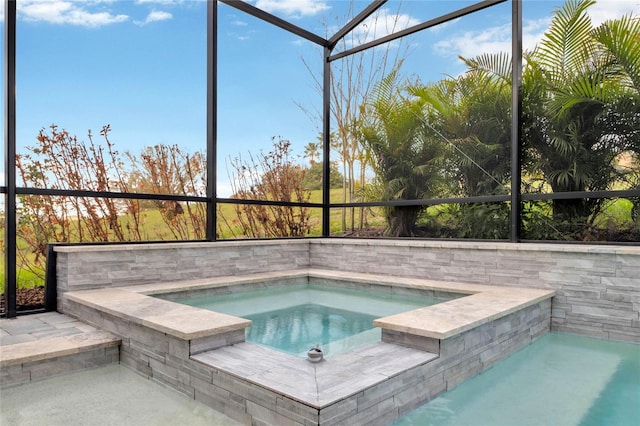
x=28, y=361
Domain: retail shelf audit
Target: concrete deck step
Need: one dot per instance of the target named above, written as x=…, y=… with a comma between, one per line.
x=56, y=347
x=25, y=362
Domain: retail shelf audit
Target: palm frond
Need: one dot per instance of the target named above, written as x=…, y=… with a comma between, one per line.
x=395, y=188
x=562, y=49
x=384, y=94
x=563, y=146
x=621, y=37
x=586, y=88
x=493, y=66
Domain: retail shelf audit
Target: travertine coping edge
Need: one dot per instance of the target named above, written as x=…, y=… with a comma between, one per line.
x=480, y=304
x=214, y=282
x=454, y=317
x=90, y=248
x=22, y=353
x=180, y=321
x=470, y=245
x=265, y=277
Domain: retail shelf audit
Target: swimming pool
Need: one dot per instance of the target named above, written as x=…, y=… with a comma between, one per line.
x=293, y=318
x=560, y=379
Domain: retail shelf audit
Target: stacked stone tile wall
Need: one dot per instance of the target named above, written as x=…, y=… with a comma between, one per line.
x=597, y=287
x=84, y=267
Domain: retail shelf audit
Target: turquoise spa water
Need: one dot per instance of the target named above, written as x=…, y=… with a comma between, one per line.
x=293, y=319
x=558, y=380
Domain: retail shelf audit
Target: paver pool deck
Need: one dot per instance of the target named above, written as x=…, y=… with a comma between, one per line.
x=32, y=328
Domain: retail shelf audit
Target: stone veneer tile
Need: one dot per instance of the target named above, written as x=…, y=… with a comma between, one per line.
x=339, y=411
x=603, y=313
x=263, y=416
x=296, y=411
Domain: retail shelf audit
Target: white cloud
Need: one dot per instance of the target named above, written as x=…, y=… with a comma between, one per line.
x=473, y=43
x=66, y=12
x=162, y=2
x=383, y=23
x=243, y=32
x=224, y=189
x=380, y=24
x=532, y=32
x=612, y=9
x=158, y=15
x=155, y=16
x=491, y=40
x=241, y=36
x=498, y=39
x=293, y=8
x=440, y=27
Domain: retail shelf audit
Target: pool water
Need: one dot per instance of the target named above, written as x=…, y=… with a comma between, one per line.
x=294, y=330
x=294, y=318
x=110, y=395
x=558, y=380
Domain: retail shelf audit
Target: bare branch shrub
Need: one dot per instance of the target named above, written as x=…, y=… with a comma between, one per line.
x=270, y=177
x=60, y=161
x=163, y=169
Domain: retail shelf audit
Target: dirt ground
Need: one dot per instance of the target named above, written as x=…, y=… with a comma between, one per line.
x=27, y=299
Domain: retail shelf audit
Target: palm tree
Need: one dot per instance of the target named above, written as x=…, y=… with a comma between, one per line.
x=405, y=154
x=581, y=105
x=621, y=39
x=471, y=114
x=311, y=151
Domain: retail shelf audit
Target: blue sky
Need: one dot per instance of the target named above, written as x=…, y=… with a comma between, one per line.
x=140, y=65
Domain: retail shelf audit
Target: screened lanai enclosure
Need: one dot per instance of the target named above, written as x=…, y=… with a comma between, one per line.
x=496, y=120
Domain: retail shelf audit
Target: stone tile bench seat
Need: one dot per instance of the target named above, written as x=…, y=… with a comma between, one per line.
x=160, y=328
x=479, y=304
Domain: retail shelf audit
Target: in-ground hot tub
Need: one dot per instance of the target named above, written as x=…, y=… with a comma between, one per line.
x=423, y=351
x=295, y=315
